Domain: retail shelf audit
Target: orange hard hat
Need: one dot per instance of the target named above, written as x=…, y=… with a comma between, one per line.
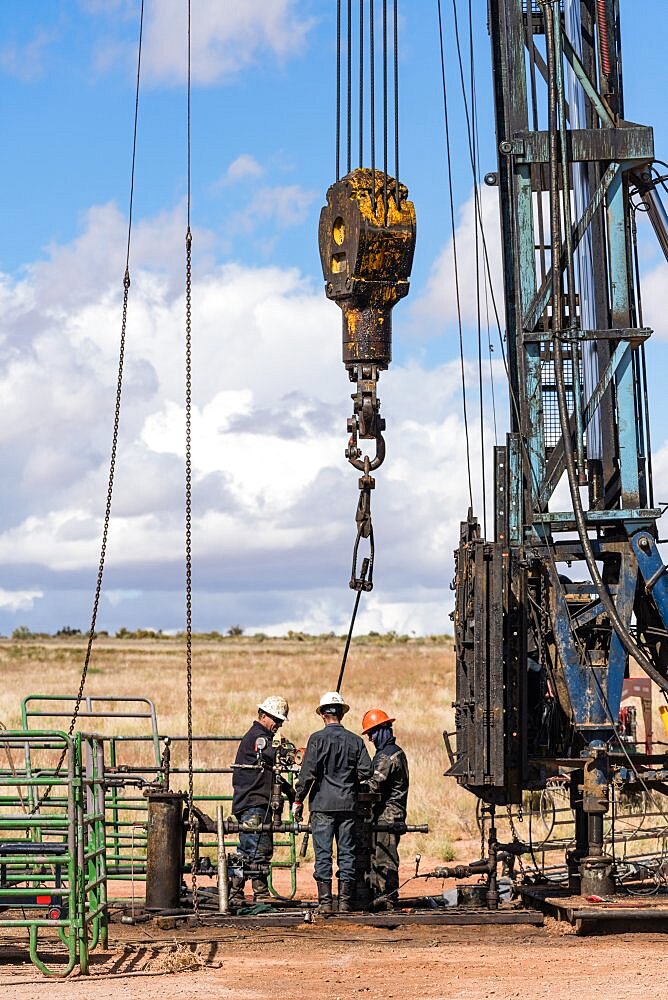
x=374, y=717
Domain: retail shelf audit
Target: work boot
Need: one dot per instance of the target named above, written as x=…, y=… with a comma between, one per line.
x=236, y=897
x=325, y=902
x=261, y=893
x=346, y=896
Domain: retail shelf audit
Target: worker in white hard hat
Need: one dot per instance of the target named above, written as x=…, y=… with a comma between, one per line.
x=335, y=762
x=252, y=793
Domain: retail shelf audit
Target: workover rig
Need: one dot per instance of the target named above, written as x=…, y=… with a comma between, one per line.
x=541, y=657
x=551, y=611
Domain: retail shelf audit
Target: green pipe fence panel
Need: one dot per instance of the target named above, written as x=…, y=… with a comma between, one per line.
x=52, y=865
x=132, y=753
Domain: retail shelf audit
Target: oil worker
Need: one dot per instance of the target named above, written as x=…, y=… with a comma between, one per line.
x=252, y=792
x=335, y=763
x=390, y=780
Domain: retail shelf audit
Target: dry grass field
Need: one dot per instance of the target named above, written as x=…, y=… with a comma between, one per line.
x=412, y=680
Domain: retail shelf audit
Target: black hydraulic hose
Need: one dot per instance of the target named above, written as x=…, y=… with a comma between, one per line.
x=625, y=637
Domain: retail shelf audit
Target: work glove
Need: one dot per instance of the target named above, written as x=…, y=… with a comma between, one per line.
x=298, y=811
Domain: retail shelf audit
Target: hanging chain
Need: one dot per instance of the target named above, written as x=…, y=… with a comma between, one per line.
x=483, y=841
x=366, y=424
x=192, y=819
x=114, y=436
x=513, y=830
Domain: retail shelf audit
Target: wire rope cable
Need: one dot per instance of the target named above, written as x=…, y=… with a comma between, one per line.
x=454, y=251
x=535, y=490
x=361, y=85
x=372, y=99
x=349, y=78
x=338, y=91
x=395, y=32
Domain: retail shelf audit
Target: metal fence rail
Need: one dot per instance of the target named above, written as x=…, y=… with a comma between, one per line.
x=134, y=760
x=52, y=867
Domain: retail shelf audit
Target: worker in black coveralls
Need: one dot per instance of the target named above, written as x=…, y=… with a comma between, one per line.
x=390, y=781
x=252, y=793
x=335, y=763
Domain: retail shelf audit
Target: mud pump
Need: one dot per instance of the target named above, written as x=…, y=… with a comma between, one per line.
x=550, y=611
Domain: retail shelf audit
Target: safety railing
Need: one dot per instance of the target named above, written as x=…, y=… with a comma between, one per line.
x=52, y=870
x=133, y=761
x=634, y=828
x=127, y=806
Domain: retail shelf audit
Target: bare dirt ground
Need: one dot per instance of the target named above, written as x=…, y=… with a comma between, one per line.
x=332, y=960
x=327, y=959
x=336, y=960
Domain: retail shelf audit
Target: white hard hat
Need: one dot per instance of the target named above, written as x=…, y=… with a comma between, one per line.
x=275, y=706
x=332, y=698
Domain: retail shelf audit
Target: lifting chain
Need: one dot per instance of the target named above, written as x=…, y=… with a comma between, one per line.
x=114, y=437
x=513, y=830
x=193, y=825
x=192, y=819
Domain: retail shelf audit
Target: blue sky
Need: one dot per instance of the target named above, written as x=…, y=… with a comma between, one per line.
x=274, y=498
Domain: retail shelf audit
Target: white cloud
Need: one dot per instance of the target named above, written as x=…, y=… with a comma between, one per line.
x=274, y=498
x=26, y=62
x=242, y=167
x=440, y=299
x=19, y=600
x=655, y=300
x=226, y=37
x=284, y=205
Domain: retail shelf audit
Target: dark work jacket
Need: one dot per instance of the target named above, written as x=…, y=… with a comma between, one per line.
x=335, y=762
x=390, y=779
x=253, y=788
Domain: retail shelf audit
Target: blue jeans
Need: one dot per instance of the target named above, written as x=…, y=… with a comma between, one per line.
x=326, y=828
x=256, y=846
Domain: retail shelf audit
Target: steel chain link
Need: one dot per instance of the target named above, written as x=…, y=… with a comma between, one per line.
x=192, y=822
x=513, y=830
x=483, y=843
x=103, y=546
x=114, y=438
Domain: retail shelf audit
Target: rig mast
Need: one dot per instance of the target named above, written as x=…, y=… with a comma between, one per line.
x=541, y=657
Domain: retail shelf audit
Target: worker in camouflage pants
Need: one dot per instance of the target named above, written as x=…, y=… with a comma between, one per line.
x=390, y=781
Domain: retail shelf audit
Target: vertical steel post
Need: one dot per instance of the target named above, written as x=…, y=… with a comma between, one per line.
x=223, y=875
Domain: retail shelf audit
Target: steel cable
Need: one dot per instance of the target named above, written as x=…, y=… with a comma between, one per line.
x=454, y=252
x=361, y=85
x=534, y=486
x=372, y=99
x=396, y=100
x=625, y=638
x=338, y=90
x=385, y=128
x=349, y=123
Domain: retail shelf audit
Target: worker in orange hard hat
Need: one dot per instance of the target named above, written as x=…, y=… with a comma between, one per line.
x=390, y=781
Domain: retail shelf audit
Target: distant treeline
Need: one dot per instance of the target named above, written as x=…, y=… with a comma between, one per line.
x=23, y=633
